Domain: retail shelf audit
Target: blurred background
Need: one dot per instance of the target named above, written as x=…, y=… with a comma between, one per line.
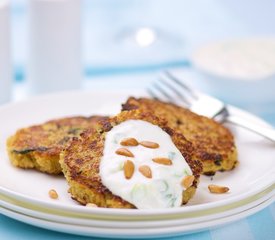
x=182, y=26
x=129, y=41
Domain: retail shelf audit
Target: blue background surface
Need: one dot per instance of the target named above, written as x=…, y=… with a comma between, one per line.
x=110, y=54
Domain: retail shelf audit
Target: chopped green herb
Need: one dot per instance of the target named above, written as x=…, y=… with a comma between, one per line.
x=120, y=166
x=138, y=192
x=185, y=171
x=162, y=185
x=178, y=174
x=171, y=155
x=75, y=131
x=169, y=195
x=28, y=150
x=118, y=137
x=182, y=173
x=64, y=140
x=173, y=200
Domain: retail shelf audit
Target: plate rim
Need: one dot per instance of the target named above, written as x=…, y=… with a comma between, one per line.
x=126, y=212
x=88, y=219
x=176, y=231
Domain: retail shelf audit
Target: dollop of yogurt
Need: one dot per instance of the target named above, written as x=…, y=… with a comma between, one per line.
x=164, y=188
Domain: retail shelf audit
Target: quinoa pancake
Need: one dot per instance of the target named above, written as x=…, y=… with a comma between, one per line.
x=214, y=144
x=93, y=161
x=39, y=146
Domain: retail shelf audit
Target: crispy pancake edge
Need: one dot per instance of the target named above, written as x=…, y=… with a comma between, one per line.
x=81, y=160
x=214, y=143
x=39, y=146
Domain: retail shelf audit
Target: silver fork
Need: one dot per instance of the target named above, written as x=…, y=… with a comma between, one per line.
x=172, y=89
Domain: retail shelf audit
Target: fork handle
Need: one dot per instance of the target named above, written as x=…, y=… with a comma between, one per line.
x=265, y=132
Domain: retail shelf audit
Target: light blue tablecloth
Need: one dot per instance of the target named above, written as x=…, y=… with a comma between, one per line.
x=217, y=20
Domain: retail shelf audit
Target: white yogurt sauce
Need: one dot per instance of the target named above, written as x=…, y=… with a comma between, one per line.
x=164, y=189
x=251, y=59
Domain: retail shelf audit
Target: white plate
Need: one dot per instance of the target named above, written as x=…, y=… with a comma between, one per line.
x=203, y=216
x=129, y=233
x=254, y=174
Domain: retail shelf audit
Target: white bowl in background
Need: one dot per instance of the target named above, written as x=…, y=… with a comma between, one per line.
x=239, y=71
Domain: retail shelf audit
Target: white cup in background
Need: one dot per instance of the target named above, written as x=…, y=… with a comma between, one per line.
x=240, y=72
x=55, y=45
x=5, y=53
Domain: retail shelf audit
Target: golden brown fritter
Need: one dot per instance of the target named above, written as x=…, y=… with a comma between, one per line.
x=39, y=146
x=214, y=144
x=80, y=162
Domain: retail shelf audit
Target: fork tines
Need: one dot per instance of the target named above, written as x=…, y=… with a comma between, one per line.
x=170, y=88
